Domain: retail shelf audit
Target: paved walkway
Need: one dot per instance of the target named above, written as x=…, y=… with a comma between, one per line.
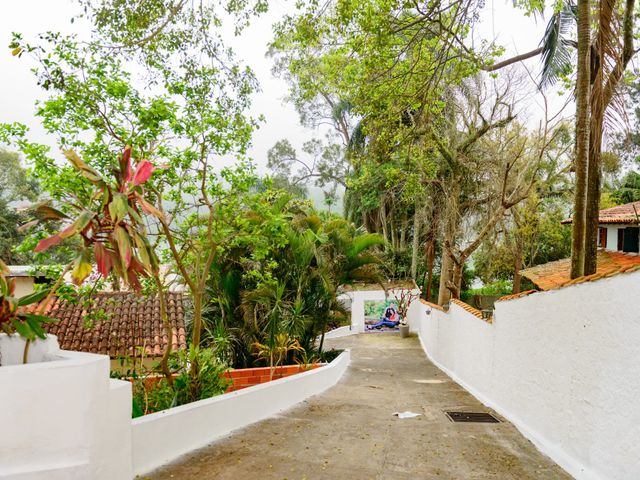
x=349, y=431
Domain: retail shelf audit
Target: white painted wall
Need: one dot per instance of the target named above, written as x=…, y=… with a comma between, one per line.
x=563, y=366
x=612, y=236
x=64, y=419
x=12, y=349
x=340, y=332
x=163, y=436
x=358, y=298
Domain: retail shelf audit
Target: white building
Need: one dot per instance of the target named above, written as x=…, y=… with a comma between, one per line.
x=619, y=228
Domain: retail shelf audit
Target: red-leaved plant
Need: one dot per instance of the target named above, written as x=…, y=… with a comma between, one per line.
x=111, y=226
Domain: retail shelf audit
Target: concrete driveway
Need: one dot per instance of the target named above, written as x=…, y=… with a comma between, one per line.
x=349, y=432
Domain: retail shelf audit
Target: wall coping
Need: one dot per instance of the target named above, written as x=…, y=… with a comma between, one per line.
x=432, y=305
x=161, y=437
x=473, y=311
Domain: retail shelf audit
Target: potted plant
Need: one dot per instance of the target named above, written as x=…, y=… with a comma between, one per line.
x=404, y=298
x=15, y=317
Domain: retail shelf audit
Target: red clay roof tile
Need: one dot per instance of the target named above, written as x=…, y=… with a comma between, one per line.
x=557, y=274
x=130, y=321
x=623, y=214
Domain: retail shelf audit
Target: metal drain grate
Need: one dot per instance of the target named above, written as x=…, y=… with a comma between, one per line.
x=472, y=417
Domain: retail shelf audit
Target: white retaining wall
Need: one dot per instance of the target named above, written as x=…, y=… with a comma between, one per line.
x=161, y=437
x=64, y=419
x=563, y=366
x=357, y=299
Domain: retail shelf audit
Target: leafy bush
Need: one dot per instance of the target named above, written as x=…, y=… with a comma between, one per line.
x=499, y=287
x=153, y=393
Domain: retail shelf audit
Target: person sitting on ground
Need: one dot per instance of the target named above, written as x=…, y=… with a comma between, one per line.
x=390, y=318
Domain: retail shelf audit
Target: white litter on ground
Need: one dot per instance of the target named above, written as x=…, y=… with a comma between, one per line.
x=430, y=380
x=406, y=414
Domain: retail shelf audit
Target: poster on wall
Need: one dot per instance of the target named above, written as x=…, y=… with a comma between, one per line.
x=381, y=315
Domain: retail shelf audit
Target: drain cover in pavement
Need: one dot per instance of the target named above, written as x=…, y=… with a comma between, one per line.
x=472, y=417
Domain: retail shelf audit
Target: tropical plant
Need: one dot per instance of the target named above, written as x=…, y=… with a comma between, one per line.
x=15, y=317
x=276, y=350
x=153, y=394
x=110, y=223
x=278, y=274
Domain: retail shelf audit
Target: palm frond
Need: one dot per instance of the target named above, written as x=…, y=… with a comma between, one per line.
x=364, y=242
x=556, y=56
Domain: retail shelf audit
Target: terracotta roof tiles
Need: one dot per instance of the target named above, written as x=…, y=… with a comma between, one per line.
x=516, y=295
x=621, y=214
x=123, y=322
x=558, y=274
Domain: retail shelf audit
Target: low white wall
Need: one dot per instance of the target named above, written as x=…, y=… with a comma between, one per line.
x=12, y=349
x=64, y=419
x=161, y=437
x=563, y=366
x=357, y=299
x=341, y=332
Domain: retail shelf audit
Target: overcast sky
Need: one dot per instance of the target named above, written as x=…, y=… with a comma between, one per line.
x=18, y=90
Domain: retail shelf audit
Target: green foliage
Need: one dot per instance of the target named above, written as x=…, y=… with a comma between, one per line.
x=13, y=317
x=538, y=237
x=274, y=282
x=15, y=183
x=628, y=189
x=498, y=287
x=153, y=394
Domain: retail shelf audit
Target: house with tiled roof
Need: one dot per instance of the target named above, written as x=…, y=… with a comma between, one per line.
x=618, y=248
x=118, y=324
x=619, y=229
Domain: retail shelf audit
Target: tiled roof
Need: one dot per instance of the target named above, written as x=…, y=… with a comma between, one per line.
x=516, y=295
x=558, y=274
x=627, y=213
x=131, y=321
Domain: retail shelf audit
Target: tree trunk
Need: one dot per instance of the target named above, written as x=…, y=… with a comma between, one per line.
x=582, y=140
x=456, y=280
x=446, y=276
x=383, y=221
x=415, y=245
x=517, y=266
x=403, y=235
x=162, y=299
x=593, y=190
x=431, y=254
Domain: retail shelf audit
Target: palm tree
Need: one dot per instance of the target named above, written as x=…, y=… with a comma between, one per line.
x=602, y=60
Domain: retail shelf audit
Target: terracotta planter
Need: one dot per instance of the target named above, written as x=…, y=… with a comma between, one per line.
x=404, y=331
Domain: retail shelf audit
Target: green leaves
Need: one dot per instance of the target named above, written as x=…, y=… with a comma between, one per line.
x=32, y=298
x=119, y=207
x=85, y=170
x=13, y=318
x=78, y=225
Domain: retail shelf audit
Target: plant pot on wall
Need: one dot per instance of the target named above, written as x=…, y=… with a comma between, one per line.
x=12, y=349
x=404, y=330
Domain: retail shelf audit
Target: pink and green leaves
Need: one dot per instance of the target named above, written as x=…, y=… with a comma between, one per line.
x=112, y=228
x=14, y=319
x=143, y=172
